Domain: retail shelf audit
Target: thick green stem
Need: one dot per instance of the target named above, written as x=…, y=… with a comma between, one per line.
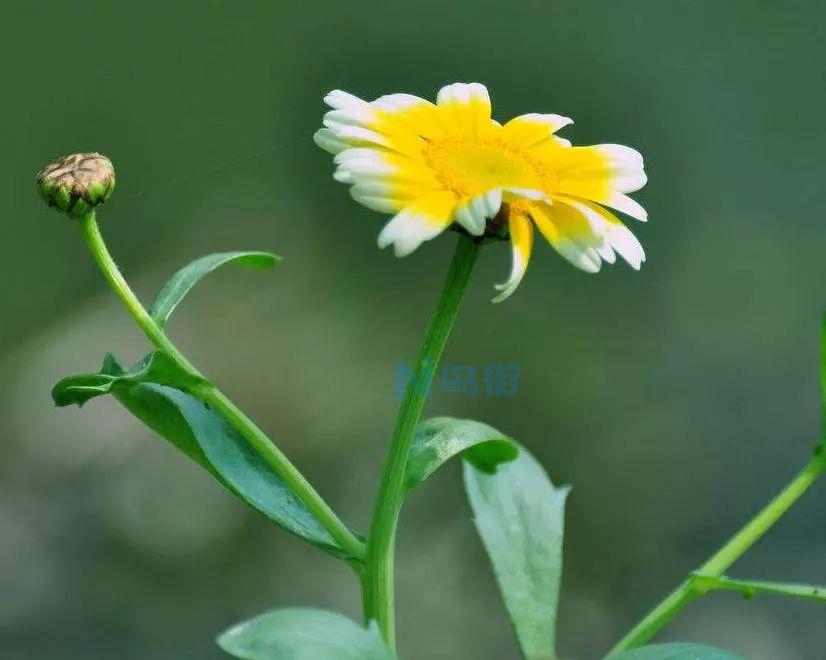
x=657, y=618
x=380, y=546
x=212, y=395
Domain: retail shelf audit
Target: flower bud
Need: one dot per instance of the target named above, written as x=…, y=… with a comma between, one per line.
x=76, y=184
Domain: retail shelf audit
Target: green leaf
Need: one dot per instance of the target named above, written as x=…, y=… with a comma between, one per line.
x=751, y=588
x=520, y=516
x=187, y=277
x=156, y=367
x=303, y=634
x=77, y=390
x=189, y=423
x=203, y=435
x=439, y=439
x=677, y=651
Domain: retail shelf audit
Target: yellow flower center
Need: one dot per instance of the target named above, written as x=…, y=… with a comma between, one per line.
x=471, y=167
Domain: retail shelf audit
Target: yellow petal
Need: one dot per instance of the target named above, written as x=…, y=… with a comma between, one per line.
x=422, y=220
x=601, y=173
x=529, y=130
x=616, y=236
x=568, y=231
x=465, y=108
x=521, y=231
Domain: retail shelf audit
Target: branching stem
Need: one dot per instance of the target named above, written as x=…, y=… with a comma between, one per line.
x=210, y=394
x=689, y=590
x=751, y=588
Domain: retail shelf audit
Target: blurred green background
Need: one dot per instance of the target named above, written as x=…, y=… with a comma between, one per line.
x=675, y=400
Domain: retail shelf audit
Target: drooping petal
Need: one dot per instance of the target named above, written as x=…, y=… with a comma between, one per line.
x=529, y=130
x=487, y=204
x=521, y=231
x=618, y=238
x=624, y=204
x=569, y=233
x=474, y=212
x=422, y=220
x=466, y=216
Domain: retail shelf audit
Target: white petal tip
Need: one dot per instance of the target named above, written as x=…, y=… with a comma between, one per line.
x=506, y=290
x=502, y=297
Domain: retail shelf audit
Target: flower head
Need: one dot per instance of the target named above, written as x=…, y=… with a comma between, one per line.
x=76, y=184
x=449, y=164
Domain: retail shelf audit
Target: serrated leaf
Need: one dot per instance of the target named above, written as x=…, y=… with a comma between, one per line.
x=677, y=651
x=187, y=277
x=439, y=439
x=203, y=435
x=520, y=516
x=303, y=634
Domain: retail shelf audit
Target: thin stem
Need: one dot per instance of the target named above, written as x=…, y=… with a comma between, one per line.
x=750, y=588
x=210, y=394
x=380, y=546
x=657, y=618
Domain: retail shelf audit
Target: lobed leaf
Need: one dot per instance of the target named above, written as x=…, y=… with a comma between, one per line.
x=677, y=651
x=157, y=367
x=439, y=439
x=519, y=514
x=303, y=634
x=187, y=277
x=202, y=434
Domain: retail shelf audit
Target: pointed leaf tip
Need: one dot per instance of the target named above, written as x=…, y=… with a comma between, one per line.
x=181, y=283
x=439, y=439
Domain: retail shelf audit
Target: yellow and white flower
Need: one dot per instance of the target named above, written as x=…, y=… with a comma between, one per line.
x=450, y=164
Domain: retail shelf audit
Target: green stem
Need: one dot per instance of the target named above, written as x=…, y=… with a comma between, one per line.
x=750, y=588
x=213, y=396
x=380, y=546
x=657, y=618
